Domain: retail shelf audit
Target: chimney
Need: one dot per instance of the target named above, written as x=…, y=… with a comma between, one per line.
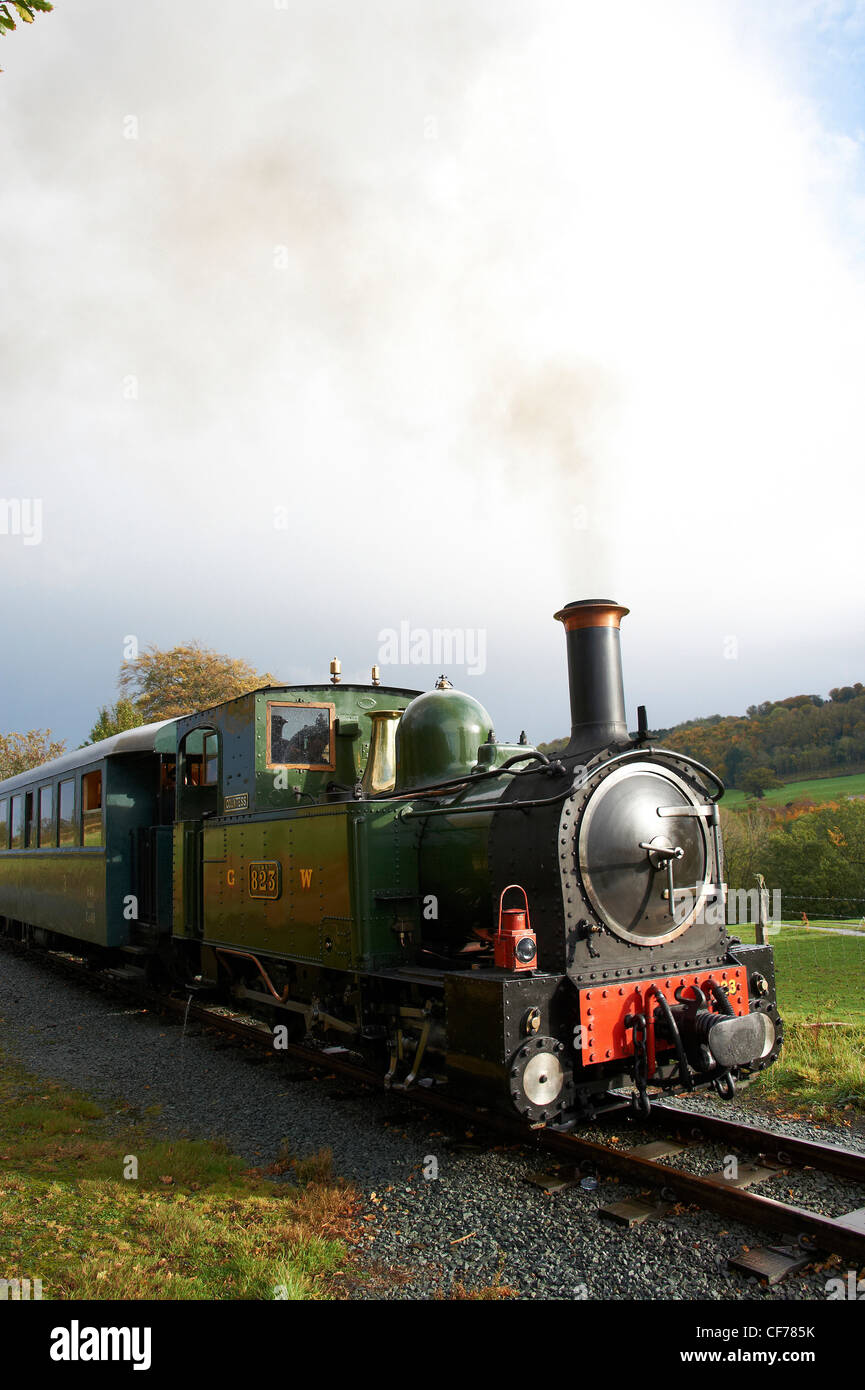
x=594, y=673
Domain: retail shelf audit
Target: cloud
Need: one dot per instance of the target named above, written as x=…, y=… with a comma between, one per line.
x=507, y=306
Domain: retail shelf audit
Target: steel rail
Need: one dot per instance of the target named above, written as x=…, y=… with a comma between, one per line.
x=786, y=1149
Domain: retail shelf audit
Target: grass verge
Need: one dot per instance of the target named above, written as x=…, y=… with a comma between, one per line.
x=820, y=975
x=820, y=978
x=195, y=1223
x=820, y=1073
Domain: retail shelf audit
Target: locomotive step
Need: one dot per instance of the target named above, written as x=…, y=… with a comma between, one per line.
x=127, y=972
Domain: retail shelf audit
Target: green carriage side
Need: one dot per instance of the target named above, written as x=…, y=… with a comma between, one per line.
x=72, y=834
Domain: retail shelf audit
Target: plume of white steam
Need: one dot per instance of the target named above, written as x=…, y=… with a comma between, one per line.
x=522, y=303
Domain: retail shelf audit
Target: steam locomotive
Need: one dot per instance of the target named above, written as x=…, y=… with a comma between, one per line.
x=369, y=866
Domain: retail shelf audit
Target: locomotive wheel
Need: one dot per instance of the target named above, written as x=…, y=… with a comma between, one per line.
x=540, y=1088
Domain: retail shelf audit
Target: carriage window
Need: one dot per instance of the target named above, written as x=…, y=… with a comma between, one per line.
x=91, y=808
x=68, y=827
x=299, y=735
x=47, y=834
x=17, y=822
x=29, y=828
x=211, y=760
x=4, y=824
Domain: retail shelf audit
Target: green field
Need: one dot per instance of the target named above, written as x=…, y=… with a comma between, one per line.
x=821, y=995
x=820, y=976
x=817, y=788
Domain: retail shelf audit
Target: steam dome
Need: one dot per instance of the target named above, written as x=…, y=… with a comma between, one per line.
x=438, y=738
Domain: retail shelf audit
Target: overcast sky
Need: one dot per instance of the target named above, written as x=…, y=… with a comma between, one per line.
x=321, y=318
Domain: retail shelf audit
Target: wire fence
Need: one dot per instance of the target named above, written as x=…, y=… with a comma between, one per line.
x=817, y=907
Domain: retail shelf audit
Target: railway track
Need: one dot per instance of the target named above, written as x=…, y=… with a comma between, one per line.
x=642, y=1164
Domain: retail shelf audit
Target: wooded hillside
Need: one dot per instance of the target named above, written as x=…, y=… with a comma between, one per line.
x=795, y=738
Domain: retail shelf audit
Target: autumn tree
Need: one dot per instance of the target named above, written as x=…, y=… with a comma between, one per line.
x=20, y=752
x=24, y=9
x=817, y=860
x=735, y=764
x=746, y=840
x=114, y=720
x=167, y=684
x=758, y=780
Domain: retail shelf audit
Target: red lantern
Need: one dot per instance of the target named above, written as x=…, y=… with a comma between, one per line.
x=516, y=947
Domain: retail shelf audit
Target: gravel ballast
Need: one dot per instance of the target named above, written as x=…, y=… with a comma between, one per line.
x=477, y=1221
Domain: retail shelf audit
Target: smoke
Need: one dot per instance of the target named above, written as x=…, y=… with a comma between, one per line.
x=545, y=426
x=502, y=305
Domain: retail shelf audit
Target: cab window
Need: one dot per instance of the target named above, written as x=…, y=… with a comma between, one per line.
x=67, y=824
x=47, y=835
x=91, y=808
x=18, y=822
x=211, y=760
x=198, y=774
x=299, y=735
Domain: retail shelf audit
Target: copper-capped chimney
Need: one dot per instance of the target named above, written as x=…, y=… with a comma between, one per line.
x=594, y=673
